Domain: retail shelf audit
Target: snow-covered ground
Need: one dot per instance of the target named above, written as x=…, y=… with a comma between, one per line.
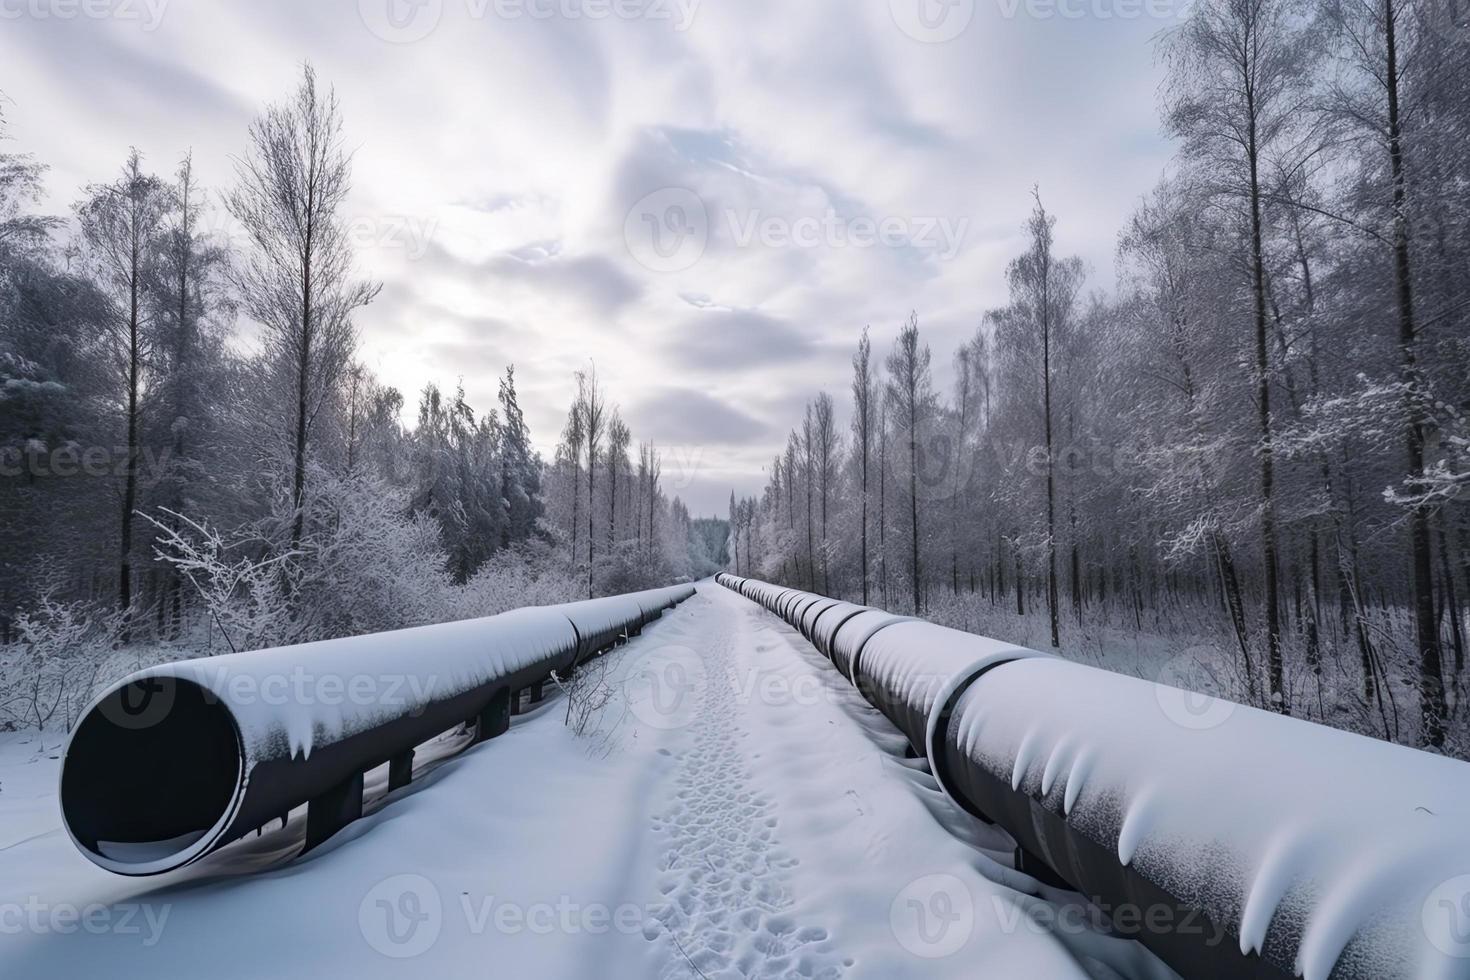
x=738, y=811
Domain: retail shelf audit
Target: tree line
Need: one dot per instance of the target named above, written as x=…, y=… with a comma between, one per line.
x=195, y=456
x=1258, y=436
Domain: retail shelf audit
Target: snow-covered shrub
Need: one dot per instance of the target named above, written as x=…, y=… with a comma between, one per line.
x=362, y=565
x=630, y=568
x=242, y=588
x=62, y=647
x=528, y=574
x=588, y=694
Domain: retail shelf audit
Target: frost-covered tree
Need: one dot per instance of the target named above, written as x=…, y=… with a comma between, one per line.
x=297, y=279
x=121, y=225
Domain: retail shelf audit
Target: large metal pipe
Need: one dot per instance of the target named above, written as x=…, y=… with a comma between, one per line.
x=854, y=634
x=812, y=613
x=903, y=669
x=1233, y=842
x=176, y=761
x=825, y=627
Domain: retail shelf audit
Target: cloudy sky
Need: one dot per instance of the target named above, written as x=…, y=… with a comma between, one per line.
x=707, y=198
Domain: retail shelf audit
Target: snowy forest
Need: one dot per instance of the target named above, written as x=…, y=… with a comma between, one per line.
x=1240, y=469
x=679, y=490
x=176, y=483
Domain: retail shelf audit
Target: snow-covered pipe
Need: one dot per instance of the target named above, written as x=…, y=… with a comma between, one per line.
x=829, y=622
x=1315, y=852
x=798, y=608
x=1231, y=841
x=812, y=612
x=767, y=595
x=176, y=761
x=903, y=670
x=848, y=641
x=599, y=622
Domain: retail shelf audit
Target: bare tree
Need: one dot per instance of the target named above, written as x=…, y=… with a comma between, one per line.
x=809, y=478
x=1373, y=35
x=1237, y=68
x=1043, y=291
x=910, y=390
x=121, y=223
x=735, y=530
x=298, y=279
x=20, y=185
x=573, y=436
x=862, y=437
x=825, y=432
x=190, y=268
x=883, y=496
x=964, y=392
x=655, y=471
x=618, y=438
x=594, y=424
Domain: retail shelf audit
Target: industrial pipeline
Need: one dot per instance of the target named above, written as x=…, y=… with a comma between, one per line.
x=1315, y=852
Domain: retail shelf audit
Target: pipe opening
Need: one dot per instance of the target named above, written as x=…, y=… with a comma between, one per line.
x=149, y=773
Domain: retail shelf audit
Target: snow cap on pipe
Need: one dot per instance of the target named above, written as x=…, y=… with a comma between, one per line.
x=1318, y=850
x=903, y=668
x=158, y=771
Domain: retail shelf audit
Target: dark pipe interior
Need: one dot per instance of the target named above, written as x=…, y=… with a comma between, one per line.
x=154, y=761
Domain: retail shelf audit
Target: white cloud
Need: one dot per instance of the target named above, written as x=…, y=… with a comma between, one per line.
x=510, y=149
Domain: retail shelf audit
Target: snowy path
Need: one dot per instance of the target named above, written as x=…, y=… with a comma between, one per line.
x=725, y=872
x=739, y=813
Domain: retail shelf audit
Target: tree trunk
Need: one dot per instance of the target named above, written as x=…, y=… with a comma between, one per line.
x=1274, y=668
x=865, y=522
x=130, y=484
x=1433, y=710
x=914, y=503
